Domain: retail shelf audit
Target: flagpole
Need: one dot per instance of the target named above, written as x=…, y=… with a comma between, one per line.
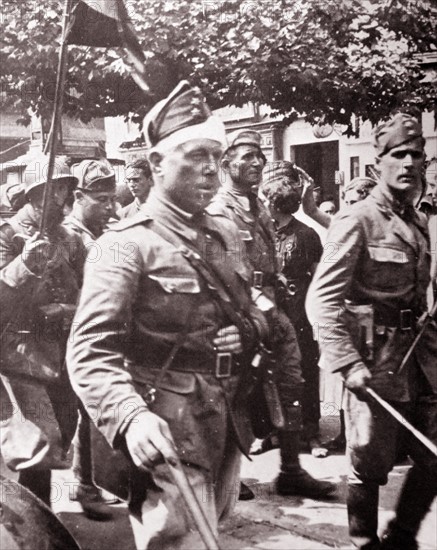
x=52, y=141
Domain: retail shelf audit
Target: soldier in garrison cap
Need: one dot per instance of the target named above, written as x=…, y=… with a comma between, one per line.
x=40, y=277
x=155, y=344
x=94, y=200
x=93, y=207
x=237, y=200
x=369, y=296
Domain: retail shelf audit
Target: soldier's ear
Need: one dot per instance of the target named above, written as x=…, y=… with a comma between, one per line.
x=155, y=161
x=225, y=164
x=78, y=195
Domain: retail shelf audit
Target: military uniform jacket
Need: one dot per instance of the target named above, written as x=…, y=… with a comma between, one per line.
x=135, y=302
x=257, y=247
x=23, y=293
x=39, y=419
x=130, y=209
x=374, y=256
x=256, y=231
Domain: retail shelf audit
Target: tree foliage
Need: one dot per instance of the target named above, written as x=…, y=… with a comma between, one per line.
x=328, y=59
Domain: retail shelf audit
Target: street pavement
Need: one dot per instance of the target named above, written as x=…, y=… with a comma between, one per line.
x=270, y=522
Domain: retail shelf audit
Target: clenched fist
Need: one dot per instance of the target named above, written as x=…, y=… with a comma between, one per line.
x=149, y=441
x=356, y=380
x=36, y=253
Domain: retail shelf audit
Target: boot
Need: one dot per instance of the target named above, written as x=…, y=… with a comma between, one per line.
x=38, y=482
x=395, y=538
x=414, y=503
x=339, y=442
x=87, y=494
x=362, y=507
x=246, y=492
x=92, y=503
x=293, y=479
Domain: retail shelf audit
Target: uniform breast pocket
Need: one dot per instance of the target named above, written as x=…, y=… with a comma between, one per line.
x=390, y=268
x=168, y=300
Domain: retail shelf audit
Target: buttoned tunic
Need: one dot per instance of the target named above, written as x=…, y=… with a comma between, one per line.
x=135, y=302
x=378, y=255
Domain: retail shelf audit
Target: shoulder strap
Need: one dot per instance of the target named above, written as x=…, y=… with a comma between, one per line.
x=228, y=302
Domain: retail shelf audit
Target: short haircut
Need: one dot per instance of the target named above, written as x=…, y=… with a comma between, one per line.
x=141, y=164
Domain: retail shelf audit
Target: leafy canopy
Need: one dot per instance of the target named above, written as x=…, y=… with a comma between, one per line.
x=329, y=59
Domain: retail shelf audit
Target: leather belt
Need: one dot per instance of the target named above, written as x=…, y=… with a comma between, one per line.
x=226, y=365
x=222, y=365
x=404, y=319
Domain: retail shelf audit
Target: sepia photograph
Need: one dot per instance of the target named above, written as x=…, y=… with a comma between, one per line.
x=218, y=274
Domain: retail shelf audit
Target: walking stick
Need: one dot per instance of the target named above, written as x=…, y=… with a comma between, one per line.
x=200, y=520
x=397, y=415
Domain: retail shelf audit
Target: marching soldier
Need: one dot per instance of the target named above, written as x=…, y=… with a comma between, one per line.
x=166, y=328
x=367, y=299
x=40, y=280
x=93, y=207
x=237, y=200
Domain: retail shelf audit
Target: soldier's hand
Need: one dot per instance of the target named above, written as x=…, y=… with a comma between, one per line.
x=228, y=340
x=149, y=440
x=306, y=180
x=36, y=253
x=356, y=380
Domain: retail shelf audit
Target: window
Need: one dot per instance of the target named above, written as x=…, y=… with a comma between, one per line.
x=355, y=167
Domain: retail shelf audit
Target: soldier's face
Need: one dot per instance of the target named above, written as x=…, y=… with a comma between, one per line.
x=188, y=174
x=97, y=207
x=400, y=168
x=245, y=166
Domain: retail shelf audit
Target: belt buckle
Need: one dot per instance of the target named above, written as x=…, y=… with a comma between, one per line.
x=406, y=319
x=258, y=277
x=223, y=365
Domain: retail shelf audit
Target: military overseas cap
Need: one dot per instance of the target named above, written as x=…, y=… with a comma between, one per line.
x=36, y=172
x=399, y=129
x=94, y=175
x=182, y=116
x=245, y=137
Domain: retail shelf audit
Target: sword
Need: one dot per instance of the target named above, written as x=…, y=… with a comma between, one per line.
x=402, y=420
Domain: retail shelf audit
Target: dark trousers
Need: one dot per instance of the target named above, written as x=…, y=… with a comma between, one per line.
x=374, y=438
x=310, y=372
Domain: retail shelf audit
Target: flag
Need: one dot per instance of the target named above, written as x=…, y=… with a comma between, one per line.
x=106, y=24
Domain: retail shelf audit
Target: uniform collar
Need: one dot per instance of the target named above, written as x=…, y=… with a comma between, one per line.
x=72, y=220
x=240, y=198
x=392, y=206
x=180, y=221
